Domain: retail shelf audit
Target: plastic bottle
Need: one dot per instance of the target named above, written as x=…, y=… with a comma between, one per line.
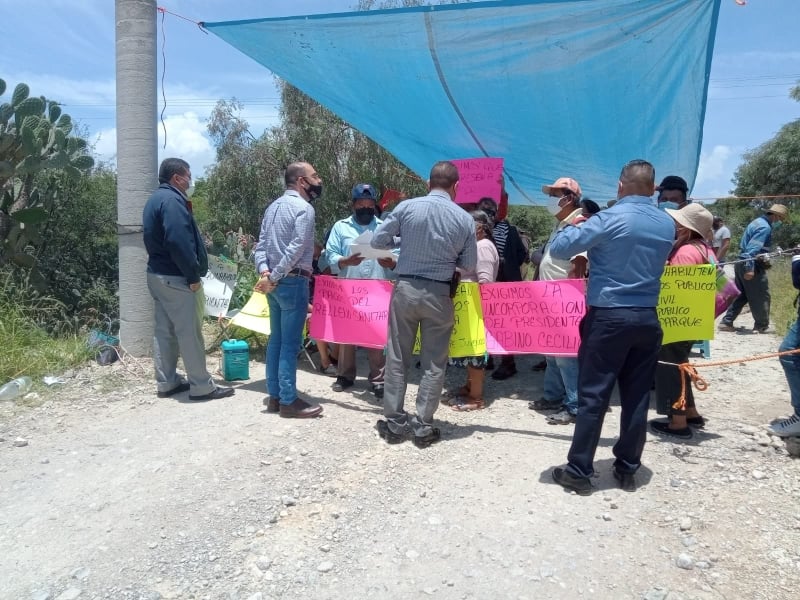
x=15, y=388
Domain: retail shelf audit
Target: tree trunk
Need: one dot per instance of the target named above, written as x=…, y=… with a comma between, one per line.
x=137, y=164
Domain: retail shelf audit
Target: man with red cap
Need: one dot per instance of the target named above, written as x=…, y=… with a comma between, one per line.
x=561, y=375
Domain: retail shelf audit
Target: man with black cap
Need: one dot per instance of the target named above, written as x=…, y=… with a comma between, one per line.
x=672, y=193
x=751, y=270
x=355, y=266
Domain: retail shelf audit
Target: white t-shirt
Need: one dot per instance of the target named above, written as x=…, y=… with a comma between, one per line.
x=723, y=233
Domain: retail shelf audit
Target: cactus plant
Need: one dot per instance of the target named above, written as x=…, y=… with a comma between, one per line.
x=34, y=141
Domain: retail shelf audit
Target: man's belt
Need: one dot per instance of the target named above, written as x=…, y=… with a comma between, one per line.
x=421, y=278
x=299, y=273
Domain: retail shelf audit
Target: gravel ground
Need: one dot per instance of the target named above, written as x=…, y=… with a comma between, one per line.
x=108, y=492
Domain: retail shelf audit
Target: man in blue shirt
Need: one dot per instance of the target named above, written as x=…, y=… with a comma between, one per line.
x=176, y=260
x=627, y=245
x=435, y=236
x=355, y=266
x=751, y=271
x=283, y=256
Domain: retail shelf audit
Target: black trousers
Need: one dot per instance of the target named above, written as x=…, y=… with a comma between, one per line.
x=668, y=378
x=617, y=345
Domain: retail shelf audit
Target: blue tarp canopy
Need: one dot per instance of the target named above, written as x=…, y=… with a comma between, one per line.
x=557, y=88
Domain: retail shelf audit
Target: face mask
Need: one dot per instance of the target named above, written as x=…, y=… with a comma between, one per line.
x=314, y=191
x=553, y=206
x=190, y=190
x=364, y=216
x=663, y=205
x=777, y=225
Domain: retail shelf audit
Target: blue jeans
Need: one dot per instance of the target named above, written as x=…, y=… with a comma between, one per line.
x=561, y=381
x=288, y=307
x=791, y=364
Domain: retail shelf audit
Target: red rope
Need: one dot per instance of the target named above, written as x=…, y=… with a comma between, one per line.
x=164, y=11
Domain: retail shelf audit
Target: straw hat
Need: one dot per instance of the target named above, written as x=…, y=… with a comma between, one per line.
x=779, y=210
x=695, y=217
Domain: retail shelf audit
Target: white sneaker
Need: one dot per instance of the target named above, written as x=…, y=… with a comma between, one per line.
x=787, y=428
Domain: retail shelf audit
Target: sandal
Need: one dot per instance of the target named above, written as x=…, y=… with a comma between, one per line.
x=467, y=404
x=698, y=422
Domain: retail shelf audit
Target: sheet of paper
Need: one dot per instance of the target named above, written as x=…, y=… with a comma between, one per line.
x=364, y=238
x=368, y=251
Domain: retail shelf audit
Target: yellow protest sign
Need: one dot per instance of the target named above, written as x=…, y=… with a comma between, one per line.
x=469, y=336
x=686, y=303
x=254, y=315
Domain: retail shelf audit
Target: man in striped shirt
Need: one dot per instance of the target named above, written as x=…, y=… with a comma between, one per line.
x=435, y=236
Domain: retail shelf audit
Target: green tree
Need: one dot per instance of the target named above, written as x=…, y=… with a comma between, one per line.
x=773, y=169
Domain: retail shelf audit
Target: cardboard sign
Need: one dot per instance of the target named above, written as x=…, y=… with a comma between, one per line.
x=686, y=303
x=533, y=317
x=254, y=315
x=218, y=285
x=478, y=178
x=351, y=311
x=469, y=336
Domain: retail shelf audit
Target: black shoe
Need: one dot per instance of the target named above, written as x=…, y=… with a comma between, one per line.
x=423, y=441
x=540, y=366
x=181, y=387
x=626, y=481
x=698, y=422
x=662, y=428
x=272, y=403
x=387, y=434
x=300, y=409
x=579, y=485
x=504, y=372
x=377, y=389
x=341, y=384
x=215, y=394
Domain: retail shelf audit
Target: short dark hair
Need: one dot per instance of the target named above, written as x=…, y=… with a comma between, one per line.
x=444, y=175
x=488, y=200
x=171, y=167
x=294, y=171
x=639, y=172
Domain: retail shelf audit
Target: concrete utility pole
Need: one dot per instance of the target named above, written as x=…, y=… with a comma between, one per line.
x=137, y=164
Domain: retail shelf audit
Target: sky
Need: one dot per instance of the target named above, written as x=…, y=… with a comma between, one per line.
x=64, y=50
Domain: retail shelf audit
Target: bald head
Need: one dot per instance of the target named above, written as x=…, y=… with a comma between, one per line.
x=638, y=178
x=295, y=170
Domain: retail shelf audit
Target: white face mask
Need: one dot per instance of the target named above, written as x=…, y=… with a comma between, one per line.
x=190, y=190
x=553, y=205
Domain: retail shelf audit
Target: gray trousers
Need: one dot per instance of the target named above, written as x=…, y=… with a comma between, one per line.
x=425, y=305
x=755, y=292
x=347, y=363
x=178, y=328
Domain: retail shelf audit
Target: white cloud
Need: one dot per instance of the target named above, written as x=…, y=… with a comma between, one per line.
x=713, y=165
x=186, y=139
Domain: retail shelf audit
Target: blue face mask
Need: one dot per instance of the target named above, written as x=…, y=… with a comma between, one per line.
x=663, y=205
x=776, y=225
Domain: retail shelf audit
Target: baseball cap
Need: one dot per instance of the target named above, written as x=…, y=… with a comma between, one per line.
x=364, y=191
x=563, y=183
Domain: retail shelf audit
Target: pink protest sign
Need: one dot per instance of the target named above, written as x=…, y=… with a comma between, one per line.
x=478, y=178
x=533, y=317
x=351, y=311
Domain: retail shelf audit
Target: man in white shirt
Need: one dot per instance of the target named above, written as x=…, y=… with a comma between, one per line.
x=722, y=238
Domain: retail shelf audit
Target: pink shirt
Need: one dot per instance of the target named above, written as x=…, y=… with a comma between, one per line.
x=693, y=253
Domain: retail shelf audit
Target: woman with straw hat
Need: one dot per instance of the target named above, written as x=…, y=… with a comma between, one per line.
x=693, y=229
